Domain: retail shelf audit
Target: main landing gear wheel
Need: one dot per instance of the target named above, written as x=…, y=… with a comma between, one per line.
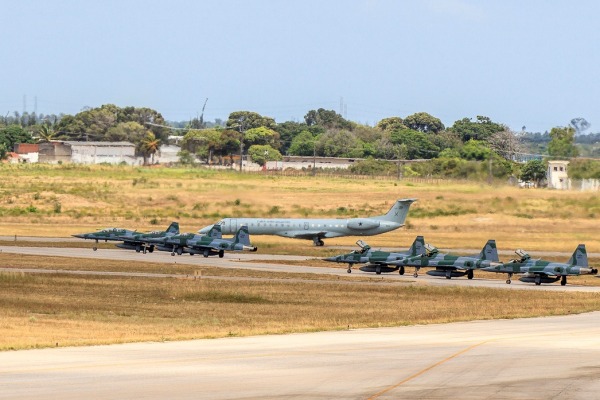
x=320, y=242
x=205, y=254
x=470, y=274
x=221, y=253
x=508, y=281
x=378, y=270
x=401, y=271
x=448, y=274
x=538, y=280
x=563, y=280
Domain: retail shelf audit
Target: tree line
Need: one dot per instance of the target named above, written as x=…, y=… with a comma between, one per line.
x=454, y=149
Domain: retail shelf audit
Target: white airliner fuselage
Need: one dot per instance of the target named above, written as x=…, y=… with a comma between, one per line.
x=318, y=229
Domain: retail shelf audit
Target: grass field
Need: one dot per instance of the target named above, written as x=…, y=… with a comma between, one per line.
x=68, y=311
x=42, y=200
x=57, y=201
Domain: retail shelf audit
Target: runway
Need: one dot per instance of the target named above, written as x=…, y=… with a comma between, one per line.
x=540, y=358
x=252, y=261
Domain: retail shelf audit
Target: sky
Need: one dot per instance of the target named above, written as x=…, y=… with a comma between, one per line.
x=532, y=64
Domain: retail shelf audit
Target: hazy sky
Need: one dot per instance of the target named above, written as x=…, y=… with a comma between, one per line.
x=522, y=63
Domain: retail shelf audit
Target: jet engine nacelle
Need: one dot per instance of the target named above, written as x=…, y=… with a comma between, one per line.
x=543, y=279
x=377, y=268
x=442, y=272
x=362, y=224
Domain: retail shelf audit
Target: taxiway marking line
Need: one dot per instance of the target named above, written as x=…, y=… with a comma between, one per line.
x=376, y=395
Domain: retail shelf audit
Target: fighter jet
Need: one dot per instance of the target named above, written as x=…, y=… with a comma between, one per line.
x=144, y=241
x=450, y=265
x=541, y=271
x=318, y=229
x=209, y=246
x=379, y=261
x=106, y=235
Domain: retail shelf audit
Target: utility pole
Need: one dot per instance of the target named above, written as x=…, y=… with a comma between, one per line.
x=314, y=168
x=241, y=126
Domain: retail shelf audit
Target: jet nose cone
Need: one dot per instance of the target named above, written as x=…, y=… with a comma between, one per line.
x=80, y=236
x=332, y=259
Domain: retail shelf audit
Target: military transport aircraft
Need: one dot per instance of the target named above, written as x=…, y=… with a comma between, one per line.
x=541, y=271
x=106, y=235
x=379, y=261
x=318, y=229
x=142, y=241
x=450, y=265
x=210, y=244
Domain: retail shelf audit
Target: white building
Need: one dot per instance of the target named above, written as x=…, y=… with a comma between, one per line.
x=88, y=152
x=557, y=175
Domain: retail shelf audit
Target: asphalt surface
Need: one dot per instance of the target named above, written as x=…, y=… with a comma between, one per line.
x=539, y=358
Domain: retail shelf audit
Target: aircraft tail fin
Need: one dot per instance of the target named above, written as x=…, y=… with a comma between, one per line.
x=173, y=228
x=489, y=251
x=242, y=236
x=398, y=211
x=579, y=257
x=418, y=247
x=215, y=232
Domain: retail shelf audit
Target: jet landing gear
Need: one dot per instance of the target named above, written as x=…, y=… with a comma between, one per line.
x=508, y=281
x=563, y=280
x=95, y=246
x=416, y=274
x=349, y=270
x=401, y=270
x=470, y=274
x=318, y=241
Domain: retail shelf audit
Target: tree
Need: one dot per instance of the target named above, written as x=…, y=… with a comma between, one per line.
x=481, y=129
x=244, y=120
x=260, y=154
x=562, y=142
x=148, y=147
x=533, y=171
x=336, y=143
x=13, y=134
x=391, y=124
x=126, y=132
x=327, y=118
x=303, y=144
x=261, y=135
x=416, y=144
x=505, y=143
x=423, y=122
x=475, y=150
x=46, y=133
x=203, y=143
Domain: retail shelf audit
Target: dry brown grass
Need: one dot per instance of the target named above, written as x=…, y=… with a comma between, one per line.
x=43, y=311
x=450, y=215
